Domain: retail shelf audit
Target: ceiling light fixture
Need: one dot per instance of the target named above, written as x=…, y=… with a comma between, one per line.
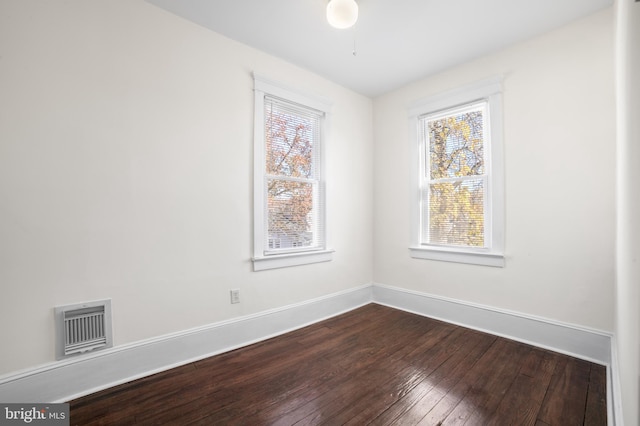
x=342, y=13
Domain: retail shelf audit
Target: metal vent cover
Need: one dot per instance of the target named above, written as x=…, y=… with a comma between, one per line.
x=83, y=327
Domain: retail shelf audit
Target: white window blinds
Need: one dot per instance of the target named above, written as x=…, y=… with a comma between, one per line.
x=454, y=182
x=294, y=208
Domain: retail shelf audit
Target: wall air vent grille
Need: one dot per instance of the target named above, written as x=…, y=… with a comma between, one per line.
x=83, y=328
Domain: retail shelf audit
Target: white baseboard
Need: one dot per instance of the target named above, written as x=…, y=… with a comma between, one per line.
x=65, y=380
x=580, y=342
x=614, y=392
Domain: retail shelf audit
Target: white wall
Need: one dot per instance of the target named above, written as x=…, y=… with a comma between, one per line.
x=559, y=133
x=126, y=173
x=627, y=328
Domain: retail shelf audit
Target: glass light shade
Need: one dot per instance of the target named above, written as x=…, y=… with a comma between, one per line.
x=342, y=13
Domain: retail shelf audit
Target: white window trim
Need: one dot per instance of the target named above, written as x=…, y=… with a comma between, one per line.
x=264, y=86
x=491, y=90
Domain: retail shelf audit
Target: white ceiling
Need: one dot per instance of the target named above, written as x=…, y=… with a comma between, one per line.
x=397, y=41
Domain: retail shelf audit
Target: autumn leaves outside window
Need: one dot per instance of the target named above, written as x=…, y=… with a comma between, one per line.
x=292, y=181
x=454, y=182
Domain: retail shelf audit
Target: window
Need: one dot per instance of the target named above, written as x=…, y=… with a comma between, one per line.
x=457, y=212
x=289, y=199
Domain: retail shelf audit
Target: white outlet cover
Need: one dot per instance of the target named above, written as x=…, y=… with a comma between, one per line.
x=235, y=296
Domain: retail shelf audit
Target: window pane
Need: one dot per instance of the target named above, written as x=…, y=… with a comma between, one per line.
x=290, y=215
x=290, y=136
x=456, y=213
x=456, y=144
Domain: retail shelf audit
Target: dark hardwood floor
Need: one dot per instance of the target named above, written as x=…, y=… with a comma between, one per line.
x=374, y=365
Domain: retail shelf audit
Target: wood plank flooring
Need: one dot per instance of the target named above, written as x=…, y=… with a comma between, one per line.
x=374, y=365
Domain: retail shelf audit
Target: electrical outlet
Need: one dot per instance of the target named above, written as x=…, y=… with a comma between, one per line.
x=235, y=295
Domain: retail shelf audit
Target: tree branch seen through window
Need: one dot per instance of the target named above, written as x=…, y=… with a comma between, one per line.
x=456, y=178
x=290, y=171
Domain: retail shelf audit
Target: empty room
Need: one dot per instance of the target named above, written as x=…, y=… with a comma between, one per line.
x=320, y=212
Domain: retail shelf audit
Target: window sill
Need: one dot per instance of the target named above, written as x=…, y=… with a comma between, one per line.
x=458, y=256
x=291, y=259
